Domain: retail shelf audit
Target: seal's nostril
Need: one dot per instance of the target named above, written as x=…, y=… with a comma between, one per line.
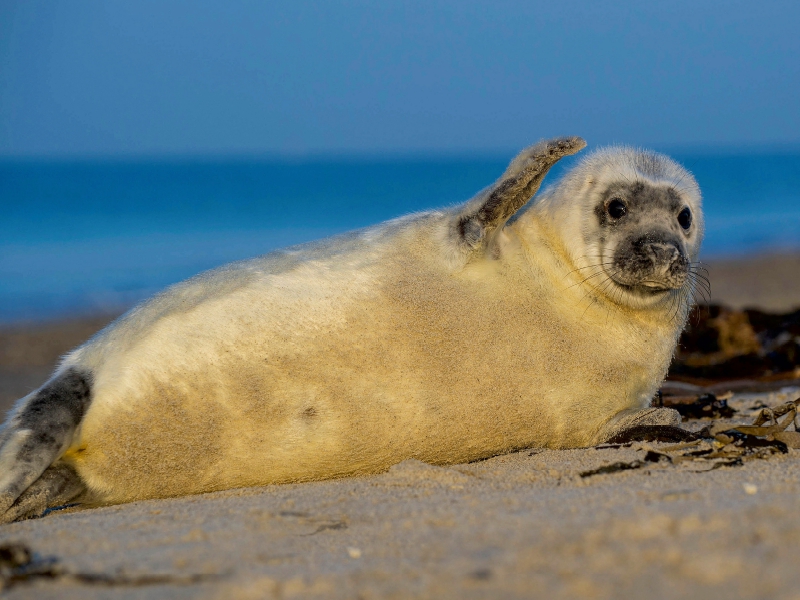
x=663, y=252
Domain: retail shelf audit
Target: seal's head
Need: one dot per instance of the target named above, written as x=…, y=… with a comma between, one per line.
x=633, y=222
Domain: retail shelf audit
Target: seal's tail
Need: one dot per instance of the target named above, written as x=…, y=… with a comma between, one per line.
x=37, y=433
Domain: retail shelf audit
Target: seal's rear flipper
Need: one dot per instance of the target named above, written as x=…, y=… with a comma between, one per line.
x=487, y=214
x=38, y=432
x=57, y=486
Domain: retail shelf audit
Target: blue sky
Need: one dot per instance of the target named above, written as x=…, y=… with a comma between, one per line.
x=167, y=77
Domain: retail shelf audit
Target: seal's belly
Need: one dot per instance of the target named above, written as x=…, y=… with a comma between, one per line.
x=436, y=373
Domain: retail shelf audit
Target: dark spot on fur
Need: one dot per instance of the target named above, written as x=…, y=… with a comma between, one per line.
x=602, y=215
x=469, y=230
x=481, y=574
x=310, y=412
x=461, y=226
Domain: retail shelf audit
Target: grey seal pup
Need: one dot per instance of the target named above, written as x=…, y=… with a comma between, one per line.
x=446, y=336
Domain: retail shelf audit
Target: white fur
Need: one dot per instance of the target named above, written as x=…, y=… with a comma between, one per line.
x=358, y=352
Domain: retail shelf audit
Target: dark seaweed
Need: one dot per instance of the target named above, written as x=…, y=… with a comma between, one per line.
x=613, y=468
x=720, y=343
x=19, y=564
x=705, y=406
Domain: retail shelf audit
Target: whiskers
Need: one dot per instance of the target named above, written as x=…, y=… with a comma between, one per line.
x=697, y=285
x=604, y=290
x=698, y=275
x=602, y=272
x=700, y=284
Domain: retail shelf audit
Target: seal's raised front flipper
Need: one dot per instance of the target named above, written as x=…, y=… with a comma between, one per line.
x=487, y=214
x=36, y=434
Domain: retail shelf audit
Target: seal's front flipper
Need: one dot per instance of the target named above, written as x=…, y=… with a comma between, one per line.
x=482, y=217
x=648, y=424
x=38, y=432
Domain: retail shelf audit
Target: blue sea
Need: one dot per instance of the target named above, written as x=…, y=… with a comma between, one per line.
x=98, y=235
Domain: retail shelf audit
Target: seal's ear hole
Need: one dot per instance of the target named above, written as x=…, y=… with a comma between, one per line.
x=685, y=218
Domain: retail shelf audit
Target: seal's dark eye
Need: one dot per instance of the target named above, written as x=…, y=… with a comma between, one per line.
x=685, y=218
x=617, y=209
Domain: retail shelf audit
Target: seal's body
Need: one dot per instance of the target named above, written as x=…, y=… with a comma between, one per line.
x=446, y=336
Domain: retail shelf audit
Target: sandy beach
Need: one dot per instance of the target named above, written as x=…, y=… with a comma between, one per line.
x=537, y=523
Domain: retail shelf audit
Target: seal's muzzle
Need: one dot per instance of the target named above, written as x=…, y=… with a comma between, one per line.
x=655, y=260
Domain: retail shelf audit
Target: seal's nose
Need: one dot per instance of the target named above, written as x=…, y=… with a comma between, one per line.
x=653, y=260
x=662, y=252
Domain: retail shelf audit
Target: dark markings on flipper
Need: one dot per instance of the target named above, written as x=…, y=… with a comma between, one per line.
x=57, y=486
x=517, y=186
x=39, y=432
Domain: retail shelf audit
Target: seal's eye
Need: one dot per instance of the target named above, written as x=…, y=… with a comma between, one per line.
x=617, y=209
x=685, y=218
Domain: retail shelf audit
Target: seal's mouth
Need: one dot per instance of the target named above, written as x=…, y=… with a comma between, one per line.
x=652, y=283
x=647, y=289
x=648, y=267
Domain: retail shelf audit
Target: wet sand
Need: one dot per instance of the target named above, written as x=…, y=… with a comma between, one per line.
x=516, y=526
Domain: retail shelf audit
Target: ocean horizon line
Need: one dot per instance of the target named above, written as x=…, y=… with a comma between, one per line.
x=388, y=154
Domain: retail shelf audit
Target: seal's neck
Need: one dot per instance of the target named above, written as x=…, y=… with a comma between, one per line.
x=574, y=278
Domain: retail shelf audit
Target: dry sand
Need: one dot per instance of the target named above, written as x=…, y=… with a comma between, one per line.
x=522, y=525
x=770, y=282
